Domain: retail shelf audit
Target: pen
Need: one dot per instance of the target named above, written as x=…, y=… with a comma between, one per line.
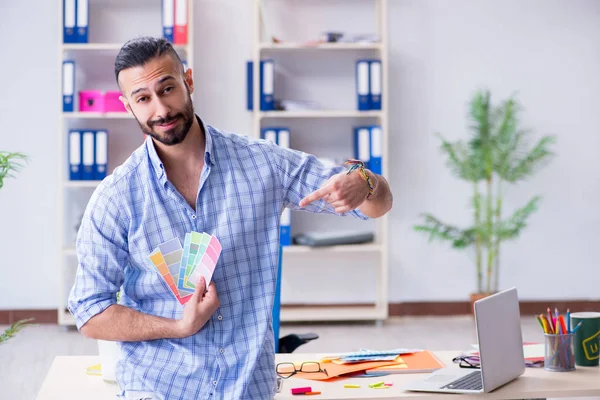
x=562, y=325
x=537, y=317
x=545, y=324
x=550, y=321
x=568, y=321
x=578, y=326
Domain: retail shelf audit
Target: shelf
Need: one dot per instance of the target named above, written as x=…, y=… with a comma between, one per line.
x=105, y=46
x=81, y=184
x=349, y=248
x=320, y=114
x=320, y=46
x=97, y=115
x=332, y=313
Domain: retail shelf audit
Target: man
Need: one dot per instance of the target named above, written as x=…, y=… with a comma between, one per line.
x=189, y=176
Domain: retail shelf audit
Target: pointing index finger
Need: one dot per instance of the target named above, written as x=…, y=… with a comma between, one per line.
x=314, y=196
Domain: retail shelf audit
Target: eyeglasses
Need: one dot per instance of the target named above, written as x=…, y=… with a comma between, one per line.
x=287, y=369
x=467, y=361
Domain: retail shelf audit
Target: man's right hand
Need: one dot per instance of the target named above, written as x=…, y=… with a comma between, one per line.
x=199, y=308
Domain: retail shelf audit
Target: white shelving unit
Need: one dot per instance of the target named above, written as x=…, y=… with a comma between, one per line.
x=120, y=123
x=379, y=249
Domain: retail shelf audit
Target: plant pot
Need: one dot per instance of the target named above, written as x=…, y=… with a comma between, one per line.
x=109, y=356
x=473, y=297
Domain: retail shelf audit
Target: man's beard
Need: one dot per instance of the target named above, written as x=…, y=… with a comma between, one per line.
x=177, y=134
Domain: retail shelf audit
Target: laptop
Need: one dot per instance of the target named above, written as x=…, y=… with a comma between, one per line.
x=498, y=325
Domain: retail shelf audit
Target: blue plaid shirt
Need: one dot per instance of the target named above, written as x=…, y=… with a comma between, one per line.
x=244, y=187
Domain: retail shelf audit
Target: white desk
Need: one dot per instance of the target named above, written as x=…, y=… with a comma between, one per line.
x=67, y=380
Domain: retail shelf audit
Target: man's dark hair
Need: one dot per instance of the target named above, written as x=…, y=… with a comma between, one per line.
x=137, y=52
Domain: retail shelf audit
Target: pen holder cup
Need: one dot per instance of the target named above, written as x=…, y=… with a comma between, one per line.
x=559, y=352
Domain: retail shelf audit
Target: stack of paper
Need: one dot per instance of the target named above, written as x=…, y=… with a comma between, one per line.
x=182, y=267
x=372, y=363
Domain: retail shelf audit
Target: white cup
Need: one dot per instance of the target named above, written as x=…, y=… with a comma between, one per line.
x=109, y=356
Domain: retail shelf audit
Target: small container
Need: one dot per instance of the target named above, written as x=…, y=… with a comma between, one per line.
x=559, y=354
x=91, y=101
x=112, y=102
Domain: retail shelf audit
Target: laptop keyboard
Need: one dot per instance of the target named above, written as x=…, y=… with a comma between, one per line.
x=472, y=381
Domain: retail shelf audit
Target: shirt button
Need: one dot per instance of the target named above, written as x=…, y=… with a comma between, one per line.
x=215, y=383
x=220, y=318
x=193, y=216
x=222, y=351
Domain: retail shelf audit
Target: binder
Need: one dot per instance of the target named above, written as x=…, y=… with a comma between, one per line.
x=101, y=155
x=362, y=145
x=87, y=165
x=168, y=18
x=375, y=84
x=68, y=86
x=69, y=17
x=283, y=138
x=74, y=155
x=267, y=85
x=269, y=134
x=285, y=228
x=249, y=87
x=180, y=36
x=285, y=234
x=362, y=85
x=82, y=20
x=376, y=150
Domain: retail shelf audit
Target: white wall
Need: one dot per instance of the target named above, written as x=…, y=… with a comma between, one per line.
x=545, y=50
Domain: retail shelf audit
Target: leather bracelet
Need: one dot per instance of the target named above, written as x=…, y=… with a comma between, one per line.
x=360, y=166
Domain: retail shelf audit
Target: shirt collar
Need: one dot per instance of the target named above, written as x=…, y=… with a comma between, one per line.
x=208, y=150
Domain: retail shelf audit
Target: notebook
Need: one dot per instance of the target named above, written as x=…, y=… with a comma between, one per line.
x=418, y=362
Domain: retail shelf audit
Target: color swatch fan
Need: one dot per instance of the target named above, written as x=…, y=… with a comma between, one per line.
x=182, y=267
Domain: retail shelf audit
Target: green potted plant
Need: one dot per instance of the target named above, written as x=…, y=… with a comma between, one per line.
x=11, y=331
x=9, y=164
x=496, y=153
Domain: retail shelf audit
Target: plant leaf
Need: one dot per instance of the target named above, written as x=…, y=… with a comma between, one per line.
x=512, y=227
x=438, y=230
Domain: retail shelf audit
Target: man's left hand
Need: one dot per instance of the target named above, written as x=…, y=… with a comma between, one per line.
x=343, y=191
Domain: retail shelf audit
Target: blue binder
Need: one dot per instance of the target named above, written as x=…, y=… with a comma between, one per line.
x=269, y=134
x=375, y=84
x=82, y=20
x=168, y=17
x=376, y=149
x=249, y=87
x=363, y=92
x=69, y=18
x=362, y=145
x=74, y=155
x=285, y=234
x=285, y=228
x=266, y=85
x=88, y=155
x=68, y=86
x=100, y=154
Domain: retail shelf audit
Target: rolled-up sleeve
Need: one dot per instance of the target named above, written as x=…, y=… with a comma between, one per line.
x=102, y=255
x=301, y=174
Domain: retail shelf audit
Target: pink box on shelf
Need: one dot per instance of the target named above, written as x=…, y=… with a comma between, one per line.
x=91, y=100
x=112, y=102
